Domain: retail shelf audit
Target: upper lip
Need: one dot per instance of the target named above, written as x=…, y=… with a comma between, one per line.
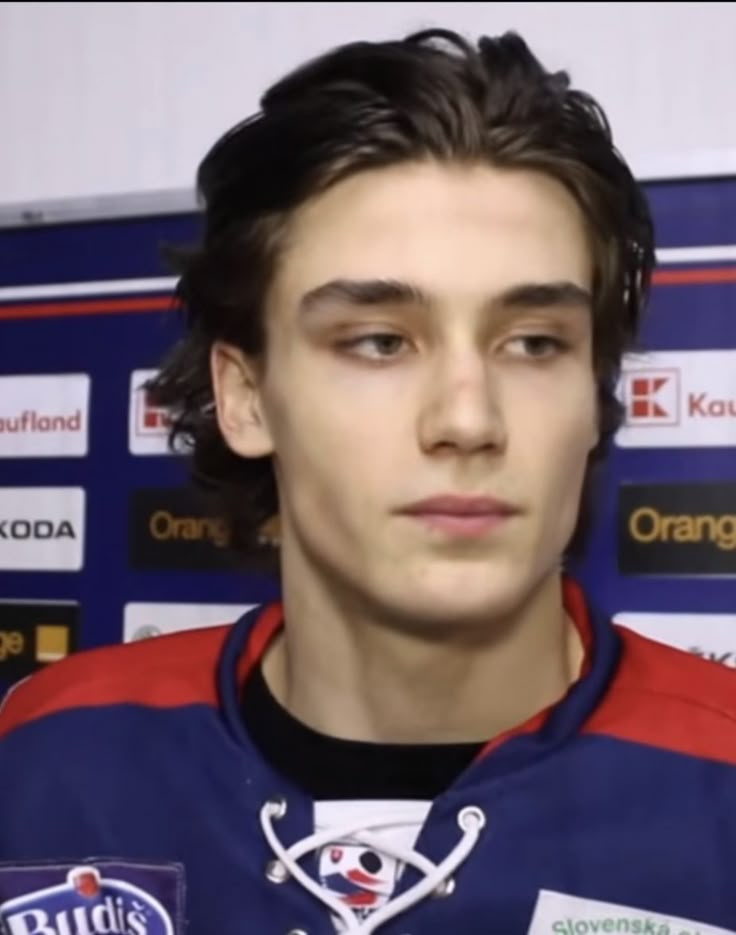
x=457, y=505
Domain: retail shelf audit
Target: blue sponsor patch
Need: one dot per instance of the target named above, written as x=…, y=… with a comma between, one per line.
x=96, y=897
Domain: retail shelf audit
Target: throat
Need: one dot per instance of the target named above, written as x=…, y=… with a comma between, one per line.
x=333, y=768
x=406, y=689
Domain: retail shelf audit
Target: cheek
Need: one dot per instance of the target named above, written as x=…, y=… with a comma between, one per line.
x=328, y=451
x=559, y=429
x=330, y=409
x=569, y=449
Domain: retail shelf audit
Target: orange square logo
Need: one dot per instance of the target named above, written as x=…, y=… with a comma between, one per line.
x=52, y=642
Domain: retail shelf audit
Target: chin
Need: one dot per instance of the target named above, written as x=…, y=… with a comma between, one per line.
x=473, y=603
x=474, y=592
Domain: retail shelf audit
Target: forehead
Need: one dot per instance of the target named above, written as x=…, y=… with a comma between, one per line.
x=456, y=229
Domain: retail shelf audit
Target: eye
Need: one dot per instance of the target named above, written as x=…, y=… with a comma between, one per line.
x=536, y=346
x=378, y=346
x=371, y=862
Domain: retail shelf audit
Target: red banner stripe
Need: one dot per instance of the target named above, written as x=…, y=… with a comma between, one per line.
x=662, y=277
x=87, y=307
x=676, y=277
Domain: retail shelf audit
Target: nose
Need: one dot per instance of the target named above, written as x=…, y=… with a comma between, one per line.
x=462, y=408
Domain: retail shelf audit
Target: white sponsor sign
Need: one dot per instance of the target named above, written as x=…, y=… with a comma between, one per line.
x=148, y=425
x=678, y=399
x=44, y=416
x=141, y=621
x=560, y=914
x=41, y=528
x=712, y=636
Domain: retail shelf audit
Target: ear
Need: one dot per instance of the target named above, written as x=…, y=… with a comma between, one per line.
x=237, y=392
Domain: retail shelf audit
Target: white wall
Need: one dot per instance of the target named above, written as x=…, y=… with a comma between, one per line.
x=121, y=98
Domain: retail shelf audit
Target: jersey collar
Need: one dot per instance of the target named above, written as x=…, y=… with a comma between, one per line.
x=539, y=735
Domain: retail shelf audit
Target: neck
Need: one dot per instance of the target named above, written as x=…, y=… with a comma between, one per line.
x=350, y=674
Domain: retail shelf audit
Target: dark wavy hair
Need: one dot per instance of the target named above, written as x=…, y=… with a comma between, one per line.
x=433, y=95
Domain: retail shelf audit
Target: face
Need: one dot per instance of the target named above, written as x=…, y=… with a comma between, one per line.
x=428, y=395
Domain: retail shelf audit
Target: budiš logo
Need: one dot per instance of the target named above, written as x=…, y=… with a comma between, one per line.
x=86, y=904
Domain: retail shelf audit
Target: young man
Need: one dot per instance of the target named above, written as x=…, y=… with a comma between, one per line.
x=422, y=263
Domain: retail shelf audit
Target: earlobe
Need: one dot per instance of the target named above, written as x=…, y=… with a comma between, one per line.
x=595, y=438
x=596, y=428
x=238, y=403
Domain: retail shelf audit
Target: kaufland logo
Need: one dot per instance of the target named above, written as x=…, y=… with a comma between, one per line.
x=44, y=415
x=679, y=399
x=148, y=424
x=152, y=419
x=652, y=397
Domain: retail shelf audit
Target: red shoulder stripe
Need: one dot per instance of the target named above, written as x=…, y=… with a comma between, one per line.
x=670, y=699
x=163, y=672
x=574, y=602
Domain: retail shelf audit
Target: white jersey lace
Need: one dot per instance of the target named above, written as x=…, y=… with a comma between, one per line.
x=470, y=819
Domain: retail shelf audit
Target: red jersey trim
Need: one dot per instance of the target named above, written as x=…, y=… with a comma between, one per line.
x=670, y=699
x=163, y=672
x=659, y=696
x=574, y=603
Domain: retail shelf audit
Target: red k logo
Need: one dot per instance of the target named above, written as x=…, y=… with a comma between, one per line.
x=652, y=397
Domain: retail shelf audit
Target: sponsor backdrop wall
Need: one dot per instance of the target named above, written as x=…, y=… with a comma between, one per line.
x=101, y=540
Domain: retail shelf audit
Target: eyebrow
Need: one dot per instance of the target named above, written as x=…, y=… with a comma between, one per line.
x=362, y=293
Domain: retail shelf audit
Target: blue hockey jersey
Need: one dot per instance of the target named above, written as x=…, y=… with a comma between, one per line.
x=132, y=801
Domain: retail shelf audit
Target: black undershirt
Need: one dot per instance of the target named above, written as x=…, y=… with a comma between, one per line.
x=330, y=768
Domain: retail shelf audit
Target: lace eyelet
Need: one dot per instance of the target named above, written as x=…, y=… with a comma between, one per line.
x=445, y=888
x=471, y=818
x=277, y=807
x=276, y=872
